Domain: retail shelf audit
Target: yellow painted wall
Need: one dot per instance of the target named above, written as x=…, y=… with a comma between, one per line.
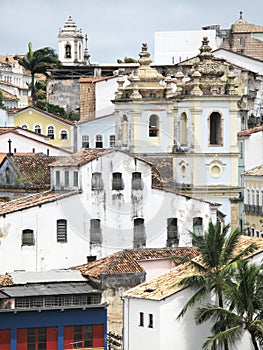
x=31, y=118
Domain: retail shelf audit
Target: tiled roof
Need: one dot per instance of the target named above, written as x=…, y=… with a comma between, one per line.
x=248, y=132
x=82, y=157
x=246, y=28
x=33, y=200
x=127, y=261
x=166, y=285
x=66, y=121
x=258, y=171
x=6, y=280
x=33, y=169
x=8, y=96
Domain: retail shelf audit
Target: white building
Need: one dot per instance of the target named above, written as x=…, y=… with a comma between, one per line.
x=102, y=202
x=151, y=310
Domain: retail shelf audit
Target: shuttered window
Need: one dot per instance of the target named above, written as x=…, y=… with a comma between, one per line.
x=62, y=231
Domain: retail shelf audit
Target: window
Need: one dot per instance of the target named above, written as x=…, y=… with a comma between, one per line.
x=139, y=239
x=50, y=132
x=24, y=126
x=137, y=181
x=112, y=140
x=252, y=197
x=68, y=51
x=198, y=226
x=96, y=181
x=75, y=179
x=99, y=141
x=248, y=196
x=66, y=178
x=28, y=237
x=183, y=129
x=38, y=129
x=172, y=232
x=85, y=141
x=7, y=175
x=95, y=231
x=257, y=197
x=36, y=339
x=63, y=135
x=150, y=324
x=62, y=231
x=82, y=336
x=215, y=129
x=124, y=131
x=141, y=319
x=57, y=178
x=153, y=125
x=117, y=182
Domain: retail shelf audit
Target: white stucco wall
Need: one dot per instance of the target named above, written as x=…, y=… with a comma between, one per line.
x=253, y=158
x=116, y=211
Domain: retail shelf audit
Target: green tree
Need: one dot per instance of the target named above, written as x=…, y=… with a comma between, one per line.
x=243, y=310
x=37, y=62
x=213, y=270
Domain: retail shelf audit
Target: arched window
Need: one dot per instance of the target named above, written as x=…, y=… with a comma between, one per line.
x=50, y=132
x=198, y=226
x=183, y=130
x=68, y=51
x=124, y=131
x=24, y=126
x=7, y=175
x=215, y=129
x=63, y=135
x=153, y=125
x=38, y=129
x=139, y=238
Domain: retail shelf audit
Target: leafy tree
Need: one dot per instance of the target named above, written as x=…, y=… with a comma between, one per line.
x=1, y=99
x=212, y=271
x=243, y=312
x=127, y=60
x=38, y=61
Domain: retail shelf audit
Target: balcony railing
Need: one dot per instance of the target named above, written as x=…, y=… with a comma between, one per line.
x=253, y=209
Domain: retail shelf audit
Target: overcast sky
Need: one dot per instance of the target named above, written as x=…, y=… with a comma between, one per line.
x=115, y=28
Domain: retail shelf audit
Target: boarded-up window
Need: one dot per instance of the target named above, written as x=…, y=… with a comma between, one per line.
x=95, y=231
x=96, y=181
x=117, y=182
x=139, y=237
x=137, y=181
x=28, y=237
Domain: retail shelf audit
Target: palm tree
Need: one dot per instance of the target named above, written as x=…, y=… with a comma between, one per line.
x=213, y=269
x=244, y=312
x=38, y=61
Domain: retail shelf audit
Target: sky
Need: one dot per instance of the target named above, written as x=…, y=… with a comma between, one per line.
x=115, y=28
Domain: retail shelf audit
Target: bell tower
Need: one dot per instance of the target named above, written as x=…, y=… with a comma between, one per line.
x=144, y=110
x=70, y=42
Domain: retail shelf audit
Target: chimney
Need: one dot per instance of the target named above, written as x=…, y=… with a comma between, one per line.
x=9, y=147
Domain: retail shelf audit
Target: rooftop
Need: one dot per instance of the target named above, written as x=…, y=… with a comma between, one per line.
x=166, y=285
x=127, y=261
x=257, y=171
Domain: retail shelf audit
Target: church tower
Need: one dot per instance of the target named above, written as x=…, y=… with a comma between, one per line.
x=144, y=110
x=207, y=121
x=70, y=41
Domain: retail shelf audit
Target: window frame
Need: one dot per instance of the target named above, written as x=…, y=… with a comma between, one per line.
x=215, y=129
x=28, y=238
x=95, y=231
x=137, y=183
x=37, y=129
x=117, y=181
x=85, y=141
x=62, y=231
x=154, y=122
x=99, y=141
x=63, y=134
x=96, y=181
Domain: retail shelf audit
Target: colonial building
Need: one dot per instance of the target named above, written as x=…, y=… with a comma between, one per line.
x=101, y=201
x=151, y=310
x=253, y=201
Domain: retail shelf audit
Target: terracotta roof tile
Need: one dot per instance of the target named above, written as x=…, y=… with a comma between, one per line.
x=6, y=280
x=127, y=261
x=33, y=169
x=33, y=200
x=246, y=28
x=248, y=132
x=82, y=157
x=165, y=285
x=258, y=171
